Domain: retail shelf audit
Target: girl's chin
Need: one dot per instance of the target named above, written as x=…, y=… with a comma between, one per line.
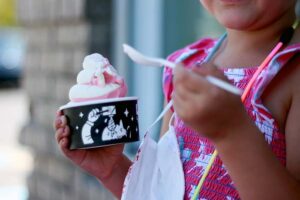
x=239, y=22
x=235, y=25
x=233, y=2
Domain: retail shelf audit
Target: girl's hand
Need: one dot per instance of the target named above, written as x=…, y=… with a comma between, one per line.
x=100, y=162
x=203, y=106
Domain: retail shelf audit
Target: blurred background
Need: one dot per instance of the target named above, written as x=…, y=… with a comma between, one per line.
x=42, y=46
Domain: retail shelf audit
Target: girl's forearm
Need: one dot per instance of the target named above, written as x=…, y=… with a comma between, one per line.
x=253, y=167
x=114, y=183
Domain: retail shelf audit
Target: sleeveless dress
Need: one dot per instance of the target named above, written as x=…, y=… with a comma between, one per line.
x=196, y=151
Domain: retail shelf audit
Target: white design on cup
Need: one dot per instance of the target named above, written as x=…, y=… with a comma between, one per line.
x=87, y=127
x=113, y=131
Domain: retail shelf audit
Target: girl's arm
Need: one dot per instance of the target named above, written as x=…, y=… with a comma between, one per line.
x=253, y=167
x=114, y=182
x=255, y=170
x=108, y=164
x=292, y=129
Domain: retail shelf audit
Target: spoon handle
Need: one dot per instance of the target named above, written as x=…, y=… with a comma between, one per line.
x=165, y=62
x=137, y=56
x=224, y=85
x=215, y=81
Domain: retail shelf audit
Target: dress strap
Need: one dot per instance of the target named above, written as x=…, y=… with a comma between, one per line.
x=273, y=68
x=211, y=53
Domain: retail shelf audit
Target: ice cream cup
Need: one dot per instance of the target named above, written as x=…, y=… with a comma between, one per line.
x=103, y=122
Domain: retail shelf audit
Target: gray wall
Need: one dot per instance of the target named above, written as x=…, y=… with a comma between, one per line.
x=59, y=34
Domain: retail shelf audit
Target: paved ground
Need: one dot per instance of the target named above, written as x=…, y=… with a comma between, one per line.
x=15, y=160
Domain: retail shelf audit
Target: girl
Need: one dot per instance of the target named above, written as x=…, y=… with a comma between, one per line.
x=258, y=155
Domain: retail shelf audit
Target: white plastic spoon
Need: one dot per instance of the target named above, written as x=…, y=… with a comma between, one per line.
x=146, y=60
x=159, y=62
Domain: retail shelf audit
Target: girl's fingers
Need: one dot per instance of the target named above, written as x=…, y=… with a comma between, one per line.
x=64, y=146
x=208, y=69
x=189, y=81
x=61, y=133
x=184, y=105
x=71, y=154
x=60, y=121
x=178, y=103
x=204, y=70
x=180, y=92
x=63, y=120
x=57, y=123
x=58, y=113
x=63, y=143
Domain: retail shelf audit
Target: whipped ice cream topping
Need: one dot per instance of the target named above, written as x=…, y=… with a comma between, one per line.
x=98, y=80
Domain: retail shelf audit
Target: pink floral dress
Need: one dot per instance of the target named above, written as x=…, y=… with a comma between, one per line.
x=196, y=151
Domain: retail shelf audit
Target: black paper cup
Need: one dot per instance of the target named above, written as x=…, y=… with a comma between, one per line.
x=102, y=123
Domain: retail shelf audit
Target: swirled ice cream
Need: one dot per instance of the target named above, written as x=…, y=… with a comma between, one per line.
x=98, y=80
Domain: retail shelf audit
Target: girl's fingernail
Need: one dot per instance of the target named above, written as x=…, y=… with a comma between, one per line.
x=58, y=113
x=58, y=122
x=63, y=119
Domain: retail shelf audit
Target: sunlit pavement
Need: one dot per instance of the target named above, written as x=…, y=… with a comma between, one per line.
x=15, y=159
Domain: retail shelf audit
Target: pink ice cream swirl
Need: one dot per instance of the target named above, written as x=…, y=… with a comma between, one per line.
x=98, y=80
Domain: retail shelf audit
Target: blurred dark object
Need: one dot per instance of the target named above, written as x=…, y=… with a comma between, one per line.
x=12, y=47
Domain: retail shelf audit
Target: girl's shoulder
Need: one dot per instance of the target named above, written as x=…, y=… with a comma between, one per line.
x=200, y=46
x=189, y=55
x=291, y=57
x=287, y=55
